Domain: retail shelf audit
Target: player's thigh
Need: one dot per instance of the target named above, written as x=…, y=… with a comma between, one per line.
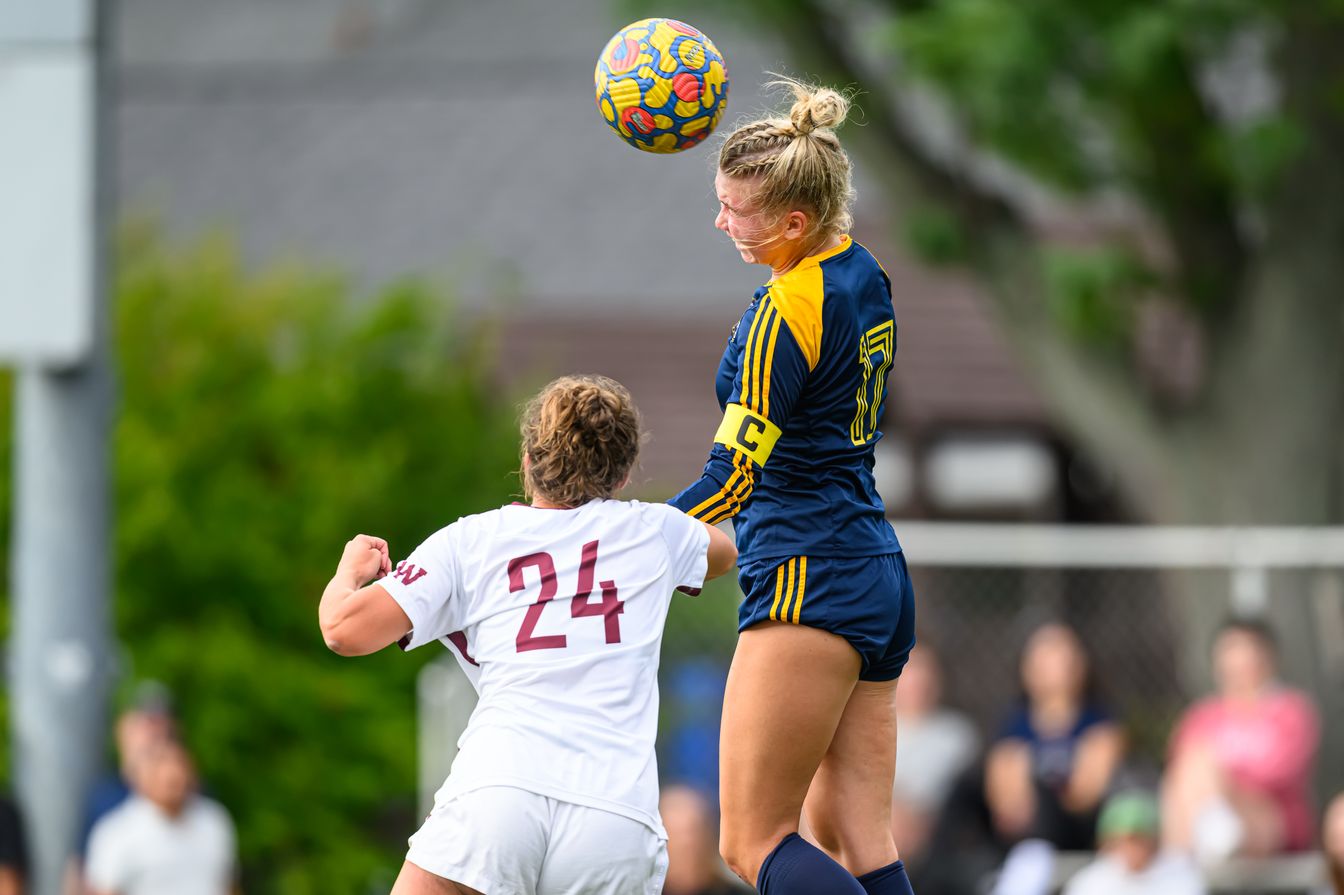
x=849, y=804
x=414, y=880
x=492, y=840
x=786, y=691
x=593, y=851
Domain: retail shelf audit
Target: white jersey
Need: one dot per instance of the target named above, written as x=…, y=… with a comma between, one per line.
x=557, y=616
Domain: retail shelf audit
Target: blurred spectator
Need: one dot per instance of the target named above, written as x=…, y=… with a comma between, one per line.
x=1332, y=844
x=165, y=839
x=693, y=865
x=13, y=850
x=147, y=719
x=1047, y=772
x=1240, y=766
x=935, y=745
x=1041, y=782
x=1131, y=861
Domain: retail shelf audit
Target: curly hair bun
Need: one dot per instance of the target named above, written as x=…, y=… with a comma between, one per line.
x=596, y=412
x=581, y=439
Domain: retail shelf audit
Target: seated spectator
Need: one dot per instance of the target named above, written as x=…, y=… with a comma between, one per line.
x=1240, y=762
x=13, y=851
x=1332, y=844
x=1131, y=862
x=1040, y=784
x=1048, y=770
x=935, y=745
x=693, y=865
x=165, y=837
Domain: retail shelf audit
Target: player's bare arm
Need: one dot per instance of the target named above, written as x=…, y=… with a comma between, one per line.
x=358, y=618
x=722, y=552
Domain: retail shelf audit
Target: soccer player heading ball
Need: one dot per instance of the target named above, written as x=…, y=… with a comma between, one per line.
x=555, y=610
x=828, y=622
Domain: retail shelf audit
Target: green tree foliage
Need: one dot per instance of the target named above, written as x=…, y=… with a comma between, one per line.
x=263, y=420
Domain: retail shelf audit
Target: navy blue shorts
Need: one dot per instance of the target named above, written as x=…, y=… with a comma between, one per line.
x=868, y=600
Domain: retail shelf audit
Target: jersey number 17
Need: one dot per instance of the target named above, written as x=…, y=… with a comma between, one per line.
x=877, y=347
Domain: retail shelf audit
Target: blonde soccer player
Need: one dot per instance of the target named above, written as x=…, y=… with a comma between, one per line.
x=555, y=608
x=809, y=720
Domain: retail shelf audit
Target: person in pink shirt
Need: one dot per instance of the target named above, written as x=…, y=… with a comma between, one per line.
x=1241, y=761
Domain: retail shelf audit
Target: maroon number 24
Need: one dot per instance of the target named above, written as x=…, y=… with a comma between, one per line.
x=580, y=606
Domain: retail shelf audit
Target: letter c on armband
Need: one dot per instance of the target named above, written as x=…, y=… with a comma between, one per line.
x=742, y=430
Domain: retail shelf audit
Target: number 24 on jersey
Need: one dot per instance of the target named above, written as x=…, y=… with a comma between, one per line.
x=581, y=605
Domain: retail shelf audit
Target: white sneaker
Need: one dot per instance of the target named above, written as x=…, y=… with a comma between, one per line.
x=1218, y=832
x=1028, y=870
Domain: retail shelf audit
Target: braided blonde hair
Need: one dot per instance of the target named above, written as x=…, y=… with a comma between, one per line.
x=799, y=159
x=581, y=439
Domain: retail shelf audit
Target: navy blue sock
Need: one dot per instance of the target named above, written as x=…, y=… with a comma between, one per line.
x=797, y=867
x=889, y=880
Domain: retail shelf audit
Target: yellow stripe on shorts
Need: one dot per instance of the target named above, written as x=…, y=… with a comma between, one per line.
x=779, y=591
x=790, y=588
x=802, y=586
x=788, y=591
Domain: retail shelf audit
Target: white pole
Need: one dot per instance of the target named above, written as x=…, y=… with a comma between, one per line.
x=59, y=643
x=59, y=647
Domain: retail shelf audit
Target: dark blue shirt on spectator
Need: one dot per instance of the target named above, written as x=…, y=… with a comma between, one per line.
x=1052, y=756
x=106, y=794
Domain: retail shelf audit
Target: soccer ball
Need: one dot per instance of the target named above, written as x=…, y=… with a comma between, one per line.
x=661, y=85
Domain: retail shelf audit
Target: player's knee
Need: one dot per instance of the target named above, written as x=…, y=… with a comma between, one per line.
x=732, y=855
x=744, y=854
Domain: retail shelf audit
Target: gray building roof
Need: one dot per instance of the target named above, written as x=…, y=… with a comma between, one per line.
x=447, y=138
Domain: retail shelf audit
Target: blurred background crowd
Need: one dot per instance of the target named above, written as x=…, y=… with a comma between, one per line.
x=1054, y=799
x=1059, y=796
x=348, y=235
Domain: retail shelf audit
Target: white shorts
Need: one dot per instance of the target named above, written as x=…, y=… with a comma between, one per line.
x=506, y=841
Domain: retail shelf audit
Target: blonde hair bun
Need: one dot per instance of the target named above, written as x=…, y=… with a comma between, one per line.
x=816, y=107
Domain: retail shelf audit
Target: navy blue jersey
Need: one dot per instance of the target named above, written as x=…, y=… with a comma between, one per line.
x=802, y=385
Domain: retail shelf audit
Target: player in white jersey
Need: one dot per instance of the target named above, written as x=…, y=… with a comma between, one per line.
x=555, y=609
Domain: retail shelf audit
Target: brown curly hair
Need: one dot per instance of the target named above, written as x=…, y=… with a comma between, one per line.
x=799, y=159
x=581, y=437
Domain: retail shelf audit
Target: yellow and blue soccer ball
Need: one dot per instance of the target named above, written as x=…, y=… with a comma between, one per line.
x=661, y=85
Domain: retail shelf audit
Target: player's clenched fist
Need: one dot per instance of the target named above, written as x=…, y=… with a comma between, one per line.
x=365, y=558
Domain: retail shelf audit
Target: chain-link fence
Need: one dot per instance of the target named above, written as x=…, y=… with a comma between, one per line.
x=1146, y=603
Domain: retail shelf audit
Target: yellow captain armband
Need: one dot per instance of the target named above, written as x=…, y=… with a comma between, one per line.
x=742, y=430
